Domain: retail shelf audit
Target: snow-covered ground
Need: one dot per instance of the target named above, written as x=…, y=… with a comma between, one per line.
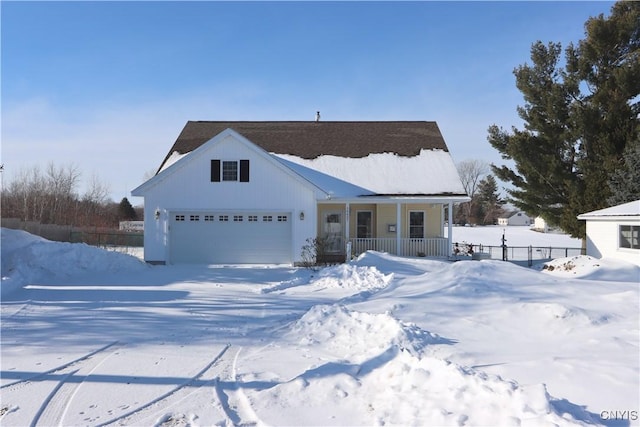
x=91, y=337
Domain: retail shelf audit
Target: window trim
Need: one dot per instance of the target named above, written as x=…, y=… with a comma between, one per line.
x=632, y=229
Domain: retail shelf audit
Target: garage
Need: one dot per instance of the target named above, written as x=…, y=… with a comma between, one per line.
x=230, y=237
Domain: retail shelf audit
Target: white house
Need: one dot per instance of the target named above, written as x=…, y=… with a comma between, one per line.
x=614, y=232
x=514, y=218
x=540, y=224
x=256, y=192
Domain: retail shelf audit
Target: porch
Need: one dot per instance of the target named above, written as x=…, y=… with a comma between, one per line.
x=411, y=228
x=434, y=246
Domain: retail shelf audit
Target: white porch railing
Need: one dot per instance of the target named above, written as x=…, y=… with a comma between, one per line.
x=434, y=246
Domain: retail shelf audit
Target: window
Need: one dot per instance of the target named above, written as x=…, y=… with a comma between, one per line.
x=267, y=218
x=416, y=225
x=179, y=217
x=208, y=217
x=630, y=236
x=282, y=218
x=223, y=218
x=253, y=218
x=363, y=224
x=229, y=170
x=237, y=218
x=194, y=217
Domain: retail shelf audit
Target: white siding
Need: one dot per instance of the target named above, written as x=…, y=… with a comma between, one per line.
x=602, y=241
x=187, y=186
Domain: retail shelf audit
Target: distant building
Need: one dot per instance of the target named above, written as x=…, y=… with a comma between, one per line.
x=539, y=224
x=514, y=218
x=132, y=226
x=614, y=232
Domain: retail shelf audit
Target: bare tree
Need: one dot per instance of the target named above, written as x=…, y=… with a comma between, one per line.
x=471, y=173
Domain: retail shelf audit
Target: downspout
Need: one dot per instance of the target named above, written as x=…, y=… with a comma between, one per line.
x=398, y=229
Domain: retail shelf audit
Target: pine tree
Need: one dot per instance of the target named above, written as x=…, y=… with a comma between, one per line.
x=625, y=181
x=579, y=116
x=489, y=201
x=126, y=211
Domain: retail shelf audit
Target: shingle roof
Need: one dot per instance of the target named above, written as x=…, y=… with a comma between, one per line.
x=309, y=140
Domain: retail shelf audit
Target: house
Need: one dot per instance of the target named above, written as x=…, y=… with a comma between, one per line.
x=540, y=224
x=514, y=218
x=614, y=232
x=257, y=192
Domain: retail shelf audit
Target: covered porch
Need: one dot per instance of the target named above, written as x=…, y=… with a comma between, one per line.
x=411, y=227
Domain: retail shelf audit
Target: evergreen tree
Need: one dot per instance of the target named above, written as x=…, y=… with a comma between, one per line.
x=489, y=201
x=126, y=211
x=578, y=120
x=625, y=181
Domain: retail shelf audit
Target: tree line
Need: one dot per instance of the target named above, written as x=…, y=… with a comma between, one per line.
x=50, y=196
x=486, y=204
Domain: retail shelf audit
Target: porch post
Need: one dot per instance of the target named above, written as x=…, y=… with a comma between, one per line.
x=347, y=220
x=398, y=229
x=450, y=230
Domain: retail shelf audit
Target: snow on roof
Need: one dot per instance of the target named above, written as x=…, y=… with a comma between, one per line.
x=329, y=184
x=625, y=209
x=171, y=159
x=390, y=174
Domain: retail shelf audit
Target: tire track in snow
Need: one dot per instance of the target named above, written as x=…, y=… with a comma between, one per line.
x=174, y=396
x=54, y=409
x=234, y=402
x=40, y=375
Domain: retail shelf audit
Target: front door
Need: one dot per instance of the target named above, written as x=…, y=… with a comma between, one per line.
x=333, y=232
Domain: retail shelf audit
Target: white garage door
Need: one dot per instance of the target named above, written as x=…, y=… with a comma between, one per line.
x=230, y=238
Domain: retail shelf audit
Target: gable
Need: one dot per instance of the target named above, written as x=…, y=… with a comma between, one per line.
x=208, y=164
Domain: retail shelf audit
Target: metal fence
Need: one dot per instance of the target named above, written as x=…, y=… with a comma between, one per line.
x=519, y=254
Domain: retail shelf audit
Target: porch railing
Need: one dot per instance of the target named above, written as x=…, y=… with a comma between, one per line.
x=432, y=247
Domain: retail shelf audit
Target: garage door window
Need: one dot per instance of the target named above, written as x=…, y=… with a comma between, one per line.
x=282, y=218
x=267, y=218
x=253, y=218
x=179, y=217
x=223, y=218
x=237, y=218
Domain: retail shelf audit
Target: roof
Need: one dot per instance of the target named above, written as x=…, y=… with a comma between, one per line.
x=309, y=140
x=373, y=158
x=631, y=209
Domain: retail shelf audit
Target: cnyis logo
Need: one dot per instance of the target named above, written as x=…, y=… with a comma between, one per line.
x=619, y=415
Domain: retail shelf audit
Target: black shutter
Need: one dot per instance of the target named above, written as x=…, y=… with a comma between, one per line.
x=244, y=170
x=215, y=170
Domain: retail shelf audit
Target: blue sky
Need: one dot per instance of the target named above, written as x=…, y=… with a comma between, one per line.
x=108, y=86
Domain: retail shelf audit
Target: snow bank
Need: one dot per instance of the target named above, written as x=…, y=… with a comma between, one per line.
x=343, y=277
x=587, y=267
x=375, y=371
x=29, y=259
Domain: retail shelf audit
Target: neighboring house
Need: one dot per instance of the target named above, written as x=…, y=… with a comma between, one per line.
x=540, y=224
x=614, y=232
x=257, y=192
x=514, y=218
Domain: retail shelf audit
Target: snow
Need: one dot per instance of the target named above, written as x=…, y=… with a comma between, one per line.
x=91, y=337
x=394, y=174
x=631, y=209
